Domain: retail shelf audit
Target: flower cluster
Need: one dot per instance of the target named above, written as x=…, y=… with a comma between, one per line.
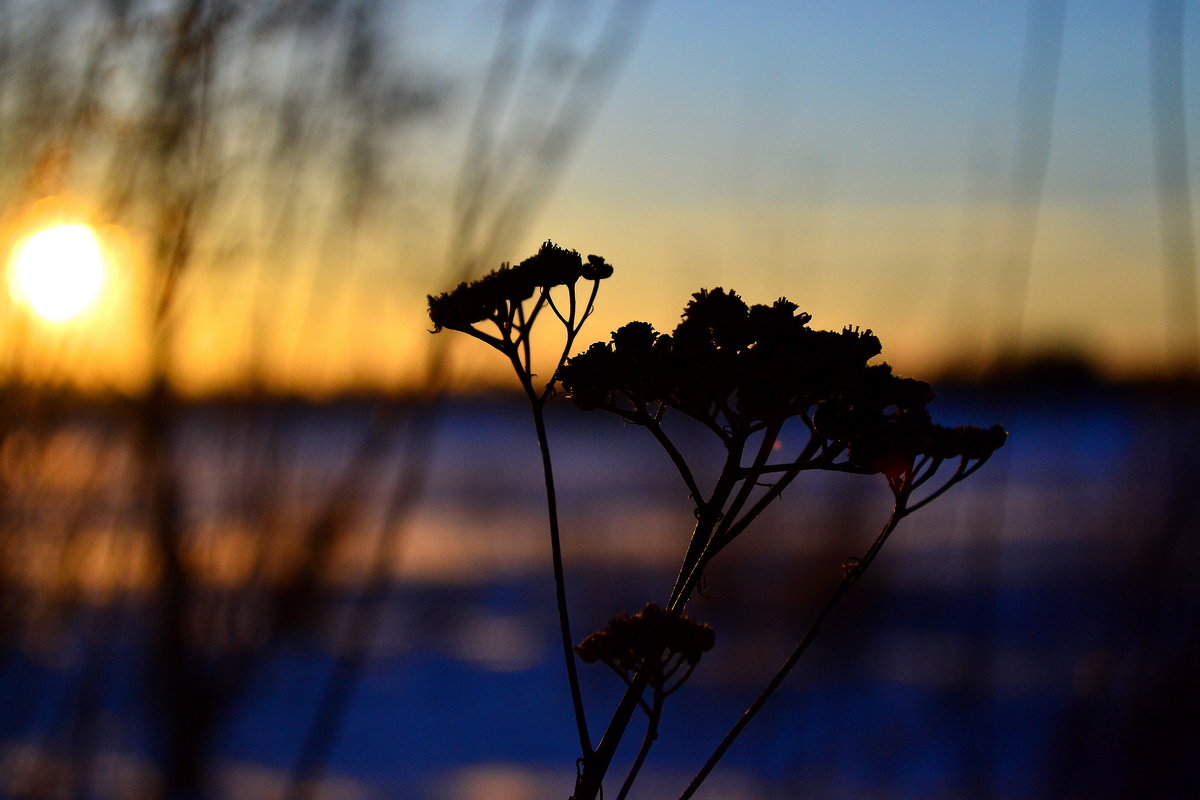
x=740, y=368
x=493, y=295
x=884, y=426
x=890, y=442
x=652, y=636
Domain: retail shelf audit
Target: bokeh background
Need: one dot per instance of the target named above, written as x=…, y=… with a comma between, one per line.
x=262, y=535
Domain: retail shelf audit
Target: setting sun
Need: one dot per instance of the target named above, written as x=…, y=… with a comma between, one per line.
x=57, y=272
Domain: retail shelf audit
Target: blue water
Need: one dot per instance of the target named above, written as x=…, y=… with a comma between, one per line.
x=1009, y=643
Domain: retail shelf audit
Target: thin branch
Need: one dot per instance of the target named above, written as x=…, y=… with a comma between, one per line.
x=488, y=339
x=647, y=743
x=806, y=465
x=804, y=462
x=523, y=338
x=554, y=307
x=572, y=331
x=709, y=518
x=725, y=435
x=652, y=425
x=761, y=700
x=667, y=673
x=749, y=478
x=961, y=474
x=848, y=579
x=595, y=765
x=538, y=305
x=682, y=680
x=589, y=307
x=926, y=469
x=560, y=586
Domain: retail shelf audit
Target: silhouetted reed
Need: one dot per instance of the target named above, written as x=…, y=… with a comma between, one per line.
x=742, y=372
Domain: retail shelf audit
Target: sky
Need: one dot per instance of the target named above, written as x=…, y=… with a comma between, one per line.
x=878, y=163
x=859, y=158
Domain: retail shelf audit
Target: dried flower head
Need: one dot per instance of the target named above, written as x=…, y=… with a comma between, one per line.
x=653, y=636
x=493, y=295
x=726, y=363
x=740, y=368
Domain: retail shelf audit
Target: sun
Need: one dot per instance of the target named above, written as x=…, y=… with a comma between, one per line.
x=58, y=272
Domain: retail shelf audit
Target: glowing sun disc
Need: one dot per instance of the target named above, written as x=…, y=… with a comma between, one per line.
x=58, y=272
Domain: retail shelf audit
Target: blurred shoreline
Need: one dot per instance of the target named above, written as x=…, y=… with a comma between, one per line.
x=997, y=624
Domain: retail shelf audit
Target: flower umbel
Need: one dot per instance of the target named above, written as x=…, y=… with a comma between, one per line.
x=654, y=639
x=742, y=369
x=496, y=295
x=511, y=299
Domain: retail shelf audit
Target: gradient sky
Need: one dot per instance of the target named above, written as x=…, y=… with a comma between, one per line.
x=860, y=157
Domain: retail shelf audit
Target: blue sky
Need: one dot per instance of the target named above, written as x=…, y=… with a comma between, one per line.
x=858, y=155
x=897, y=95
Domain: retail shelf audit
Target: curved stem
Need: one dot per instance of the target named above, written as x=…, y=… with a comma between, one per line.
x=567, y=323
x=676, y=457
x=964, y=471
x=538, y=305
x=568, y=341
x=523, y=338
x=590, y=306
x=518, y=352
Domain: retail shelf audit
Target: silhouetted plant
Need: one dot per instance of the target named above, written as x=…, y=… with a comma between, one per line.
x=742, y=372
x=511, y=299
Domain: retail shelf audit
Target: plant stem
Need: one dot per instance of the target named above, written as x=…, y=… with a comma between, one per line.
x=560, y=584
x=731, y=525
x=710, y=515
x=749, y=481
x=647, y=743
x=673, y=453
x=588, y=784
x=595, y=765
x=850, y=575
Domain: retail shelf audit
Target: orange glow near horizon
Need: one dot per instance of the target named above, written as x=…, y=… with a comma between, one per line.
x=237, y=323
